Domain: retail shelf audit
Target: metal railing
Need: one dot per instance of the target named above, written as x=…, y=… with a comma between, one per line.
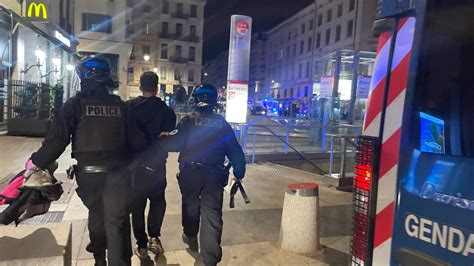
x=315, y=138
x=302, y=137
x=29, y=100
x=344, y=141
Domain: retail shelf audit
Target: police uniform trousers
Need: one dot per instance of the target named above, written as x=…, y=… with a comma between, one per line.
x=202, y=197
x=106, y=196
x=148, y=185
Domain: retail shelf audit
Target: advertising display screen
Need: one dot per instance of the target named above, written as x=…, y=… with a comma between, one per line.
x=327, y=86
x=237, y=96
x=431, y=134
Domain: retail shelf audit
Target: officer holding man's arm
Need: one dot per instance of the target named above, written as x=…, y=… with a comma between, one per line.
x=103, y=135
x=204, y=139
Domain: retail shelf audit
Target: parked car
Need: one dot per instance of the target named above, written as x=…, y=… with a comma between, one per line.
x=258, y=110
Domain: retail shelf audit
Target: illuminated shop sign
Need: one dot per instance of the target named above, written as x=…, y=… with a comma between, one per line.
x=62, y=38
x=36, y=10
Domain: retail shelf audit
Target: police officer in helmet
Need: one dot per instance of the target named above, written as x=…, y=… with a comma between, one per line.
x=103, y=135
x=204, y=139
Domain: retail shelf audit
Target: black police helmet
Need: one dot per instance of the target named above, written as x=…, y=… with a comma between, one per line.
x=205, y=95
x=94, y=68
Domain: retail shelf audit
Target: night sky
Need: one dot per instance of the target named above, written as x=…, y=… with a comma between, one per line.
x=265, y=14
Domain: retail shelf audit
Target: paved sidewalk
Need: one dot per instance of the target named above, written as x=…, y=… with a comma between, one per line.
x=251, y=231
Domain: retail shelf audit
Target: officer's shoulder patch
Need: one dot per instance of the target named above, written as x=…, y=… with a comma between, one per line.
x=208, y=122
x=102, y=110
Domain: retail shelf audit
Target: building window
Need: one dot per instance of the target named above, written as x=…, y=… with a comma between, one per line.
x=165, y=9
x=147, y=28
x=179, y=8
x=163, y=73
x=286, y=94
x=350, y=26
x=130, y=29
x=165, y=27
x=179, y=30
x=301, y=47
x=178, y=52
x=303, y=28
x=96, y=23
x=294, y=49
x=146, y=9
x=177, y=74
x=192, y=54
x=328, y=36
x=192, y=31
x=300, y=71
x=194, y=11
x=289, y=35
x=351, y=5
x=320, y=19
x=318, y=40
x=164, y=51
x=132, y=54
x=191, y=75
x=288, y=51
x=310, y=44
x=306, y=89
x=291, y=92
x=130, y=74
x=146, y=50
x=338, y=33
x=339, y=10
x=308, y=68
x=163, y=88
x=329, y=17
x=311, y=24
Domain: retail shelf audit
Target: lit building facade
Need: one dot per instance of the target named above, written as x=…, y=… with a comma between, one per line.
x=297, y=46
x=167, y=38
x=36, y=65
x=101, y=28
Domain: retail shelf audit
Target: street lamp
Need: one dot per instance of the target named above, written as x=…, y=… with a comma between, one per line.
x=146, y=57
x=70, y=67
x=155, y=69
x=205, y=74
x=40, y=55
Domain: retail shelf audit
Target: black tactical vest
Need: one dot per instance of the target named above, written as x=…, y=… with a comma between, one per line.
x=101, y=127
x=206, y=139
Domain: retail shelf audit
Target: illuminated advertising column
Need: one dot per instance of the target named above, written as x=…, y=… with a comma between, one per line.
x=238, y=70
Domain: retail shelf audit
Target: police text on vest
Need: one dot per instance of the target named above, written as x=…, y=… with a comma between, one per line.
x=95, y=110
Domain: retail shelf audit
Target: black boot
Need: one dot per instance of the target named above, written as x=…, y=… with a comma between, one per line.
x=192, y=242
x=100, y=260
x=99, y=257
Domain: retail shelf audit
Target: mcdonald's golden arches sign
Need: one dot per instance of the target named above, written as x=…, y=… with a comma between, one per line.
x=36, y=10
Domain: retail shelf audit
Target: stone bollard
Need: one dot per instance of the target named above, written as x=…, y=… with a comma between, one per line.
x=299, y=232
